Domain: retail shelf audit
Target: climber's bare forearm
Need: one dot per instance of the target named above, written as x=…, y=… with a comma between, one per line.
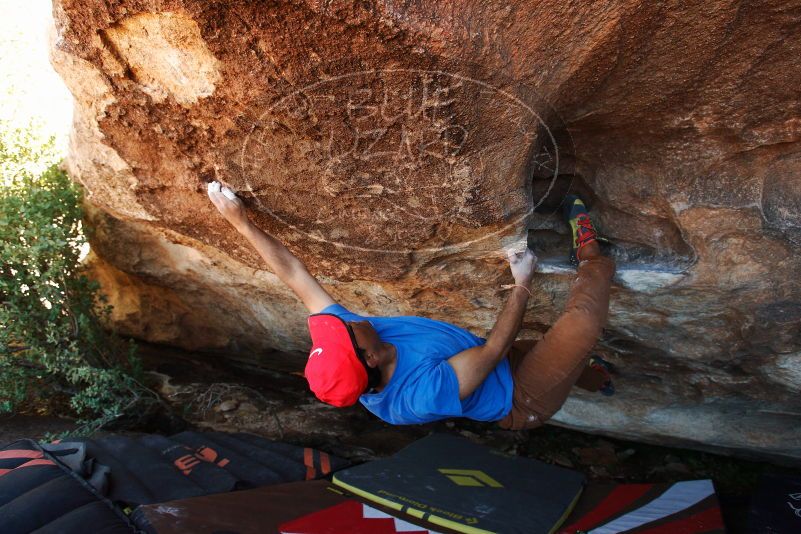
x=287, y=267
x=508, y=324
x=279, y=259
x=473, y=365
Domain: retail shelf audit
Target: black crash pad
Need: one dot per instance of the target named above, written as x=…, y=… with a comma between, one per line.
x=451, y=482
x=151, y=468
x=39, y=494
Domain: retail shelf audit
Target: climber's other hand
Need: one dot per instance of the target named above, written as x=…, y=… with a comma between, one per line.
x=522, y=263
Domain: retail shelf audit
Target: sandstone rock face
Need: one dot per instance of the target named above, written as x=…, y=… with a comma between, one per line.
x=397, y=147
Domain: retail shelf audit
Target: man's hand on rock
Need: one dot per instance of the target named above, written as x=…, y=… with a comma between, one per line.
x=522, y=263
x=228, y=204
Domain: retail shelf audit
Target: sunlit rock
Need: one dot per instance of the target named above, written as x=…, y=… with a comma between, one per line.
x=397, y=148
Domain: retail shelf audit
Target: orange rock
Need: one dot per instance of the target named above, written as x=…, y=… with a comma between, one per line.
x=396, y=148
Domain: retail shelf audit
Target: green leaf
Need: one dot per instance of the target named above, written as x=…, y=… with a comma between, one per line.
x=44, y=296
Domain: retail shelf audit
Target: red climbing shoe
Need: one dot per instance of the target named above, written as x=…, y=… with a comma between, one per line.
x=576, y=217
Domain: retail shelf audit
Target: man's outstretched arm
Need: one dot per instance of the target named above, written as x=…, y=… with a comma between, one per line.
x=286, y=266
x=473, y=365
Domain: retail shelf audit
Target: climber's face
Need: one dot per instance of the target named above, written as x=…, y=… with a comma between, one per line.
x=367, y=341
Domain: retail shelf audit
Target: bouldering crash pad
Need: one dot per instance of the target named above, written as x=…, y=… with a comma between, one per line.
x=39, y=494
x=449, y=481
x=688, y=507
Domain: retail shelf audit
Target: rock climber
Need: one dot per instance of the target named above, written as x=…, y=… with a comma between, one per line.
x=410, y=370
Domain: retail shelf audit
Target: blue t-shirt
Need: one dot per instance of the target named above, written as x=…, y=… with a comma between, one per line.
x=424, y=387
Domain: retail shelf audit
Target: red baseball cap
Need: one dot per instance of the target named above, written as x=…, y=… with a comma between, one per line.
x=335, y=373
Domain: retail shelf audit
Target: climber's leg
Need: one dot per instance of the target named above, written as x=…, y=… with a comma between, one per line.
x=544, y=376
x=591, y=378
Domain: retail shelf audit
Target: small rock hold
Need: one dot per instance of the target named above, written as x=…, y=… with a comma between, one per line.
x=227, y=406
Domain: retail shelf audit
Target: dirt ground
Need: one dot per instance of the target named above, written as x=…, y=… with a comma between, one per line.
x=13, y=427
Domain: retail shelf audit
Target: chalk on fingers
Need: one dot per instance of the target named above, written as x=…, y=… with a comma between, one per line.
x=228, y=193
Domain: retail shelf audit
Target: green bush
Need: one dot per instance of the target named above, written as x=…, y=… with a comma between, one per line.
x=51, y=314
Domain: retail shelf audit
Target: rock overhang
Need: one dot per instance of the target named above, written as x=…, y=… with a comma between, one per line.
x=391, y=148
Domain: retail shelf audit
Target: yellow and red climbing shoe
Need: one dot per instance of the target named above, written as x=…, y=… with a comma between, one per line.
x=578, y=219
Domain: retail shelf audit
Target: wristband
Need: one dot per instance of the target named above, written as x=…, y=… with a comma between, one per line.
x=510, y=286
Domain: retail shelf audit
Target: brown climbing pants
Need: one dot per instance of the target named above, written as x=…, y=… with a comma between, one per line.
x=544, y=374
